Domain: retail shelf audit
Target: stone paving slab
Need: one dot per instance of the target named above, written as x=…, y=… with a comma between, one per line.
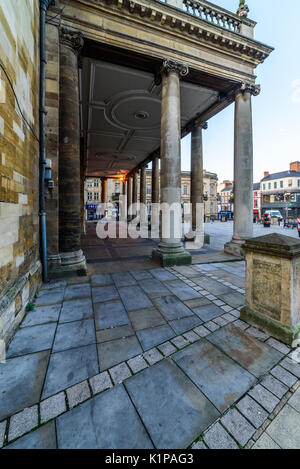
x=142, y=275
x=185, y=324
x=78, y=291
x=295, y=400
x=284, y=376
x=23, y=422
x=196, y=302
x=285, y=428
x=163, y=275
x=233, y=299
x=172, y=408
x=238, y=426
x=100, y=382
x=103, y=294
x=153, y=356
x=70, y=367
x=257, y=357
x=276, y=387
x=116, y=351
x=214, y=287
x=265, y=398
x=25, y=373
x=107, y=421
x=154, y=287
x=157, y=335
x=48, y=297
x=101, y=280
x=181, y=290
x=146, y=318
x=208, y=312
x=74, y=334
x=42, y=438
x=76, y=310
x=42, y=315
x=32, y=339
x=172, y=308
x=109, y=315
x=114, y=333
x=265, y=442
x=218, y=438
x=134, y=298
x=252, y=411
x=52, y=407
x=123, y=279
x=221, y=379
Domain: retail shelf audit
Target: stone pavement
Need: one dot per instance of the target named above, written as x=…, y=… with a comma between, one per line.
x=153, y=358
x=221, y=233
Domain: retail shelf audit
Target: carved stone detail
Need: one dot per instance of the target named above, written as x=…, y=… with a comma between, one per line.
x=249, y=88
x=72, y=39
x=170, y=65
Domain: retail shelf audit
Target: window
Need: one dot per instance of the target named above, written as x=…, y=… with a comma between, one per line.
x=290, y=182
x=96, y=183
x=269, y=186
x=90, y=183
x=90, y=196
x=117, y=188
x=148, y=188
x=264, y=187
x=185, y=190
x=281, y=184
x=298, y=182
x=275, y=185
x=255, y=204
x=96, y=196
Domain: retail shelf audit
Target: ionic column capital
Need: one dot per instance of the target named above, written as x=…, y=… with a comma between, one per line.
x=169, y=65
x=200, y=125
x=251, y=88
x=72, y=39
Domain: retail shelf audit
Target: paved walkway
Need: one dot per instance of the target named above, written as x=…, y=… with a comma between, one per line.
x=221, y=233
x=153, y=358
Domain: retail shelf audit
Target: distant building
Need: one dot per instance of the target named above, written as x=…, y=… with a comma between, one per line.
x=281, y=191
x=256, y=202
x=226, y=199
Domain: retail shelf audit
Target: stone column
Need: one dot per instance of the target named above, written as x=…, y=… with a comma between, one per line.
x=155, y=198
x=72, y=258
x=129, y=197
x=123, y=202
x=243, y=170
x=197, y=202
x=170, y=249
x=143, y=191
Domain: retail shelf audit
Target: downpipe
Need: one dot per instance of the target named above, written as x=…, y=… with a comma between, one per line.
x=44, y=5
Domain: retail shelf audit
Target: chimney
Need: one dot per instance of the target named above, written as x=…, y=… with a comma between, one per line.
x=295, y=166
x=266, y=174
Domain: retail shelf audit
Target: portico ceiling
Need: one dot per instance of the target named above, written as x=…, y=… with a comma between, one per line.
x=121, y=113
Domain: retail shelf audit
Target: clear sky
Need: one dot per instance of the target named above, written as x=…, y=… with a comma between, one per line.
x=276, y=111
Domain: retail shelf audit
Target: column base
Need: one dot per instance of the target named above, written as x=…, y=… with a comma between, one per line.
x=169, y=255
x=235, y=248
x=273, y=327
x=67, y=264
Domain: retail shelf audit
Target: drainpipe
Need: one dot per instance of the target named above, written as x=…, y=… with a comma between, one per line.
x=44, y=5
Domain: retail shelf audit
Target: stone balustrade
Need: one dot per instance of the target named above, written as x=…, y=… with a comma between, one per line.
x=215, y=15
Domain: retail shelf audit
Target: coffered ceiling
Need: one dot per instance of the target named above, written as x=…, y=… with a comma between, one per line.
x=121, y=112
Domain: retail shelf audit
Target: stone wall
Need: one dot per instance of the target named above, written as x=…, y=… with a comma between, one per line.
x=19, y=157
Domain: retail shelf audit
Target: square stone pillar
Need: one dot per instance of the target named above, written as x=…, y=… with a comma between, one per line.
x=273, y=285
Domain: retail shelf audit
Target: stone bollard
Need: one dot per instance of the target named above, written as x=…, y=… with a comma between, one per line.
x=273, y=286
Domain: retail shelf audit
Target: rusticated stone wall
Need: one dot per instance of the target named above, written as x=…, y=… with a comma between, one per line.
x=19, y=157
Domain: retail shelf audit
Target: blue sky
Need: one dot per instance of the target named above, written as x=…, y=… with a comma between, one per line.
x=276, y=111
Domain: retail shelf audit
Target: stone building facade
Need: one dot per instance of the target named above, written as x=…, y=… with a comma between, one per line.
x=20, y=269
x=92, y=194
